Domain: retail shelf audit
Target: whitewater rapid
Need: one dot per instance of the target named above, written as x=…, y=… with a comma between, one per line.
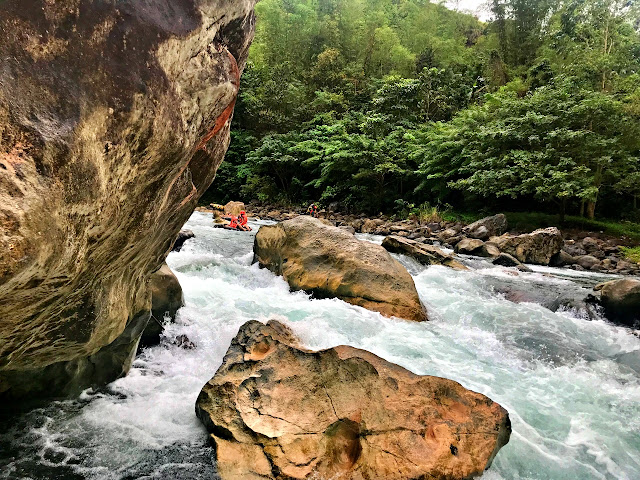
x=571, y=384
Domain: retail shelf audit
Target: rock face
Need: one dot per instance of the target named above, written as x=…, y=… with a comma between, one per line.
x=536, y=247
x=275, y=411
x=425, y=254
x=330, y=262
x=114, y=117
x=166, y=300
x=487, y=227
x=621, y=300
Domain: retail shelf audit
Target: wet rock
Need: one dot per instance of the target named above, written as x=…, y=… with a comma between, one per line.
x=183, y=236
x=183, y=341
x=471, y=246
x=506, y=260
x=425, y=254
x=574, y=250
x=536, y=247
x=370, y=226
x=562, y=259
x=329, y=262
x=487, y=227
x=166, y=300
x=587, y=261
x=468, y=246
x=277, y=411
x=234, y=208
x=104, y=155
x=621, y=300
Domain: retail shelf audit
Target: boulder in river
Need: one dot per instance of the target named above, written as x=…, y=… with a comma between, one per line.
x=537, y=247
x=275, y=411
x=487, y=227
x=166, y=300
x=621, y=300
x=183, y=236
x=115, y=117
x=234, y=208
x=330, y=262
x=425, y=254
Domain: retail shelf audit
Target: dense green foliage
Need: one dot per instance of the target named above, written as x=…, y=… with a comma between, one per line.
x=379, y=104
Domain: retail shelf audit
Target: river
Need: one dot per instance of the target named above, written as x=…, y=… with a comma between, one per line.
x=570, y=380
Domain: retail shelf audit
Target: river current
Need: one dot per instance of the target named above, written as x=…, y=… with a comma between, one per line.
x=569, y=379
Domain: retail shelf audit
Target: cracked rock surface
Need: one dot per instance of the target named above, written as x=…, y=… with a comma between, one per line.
x=277, y=411
x=331, y=263
x=114, y=117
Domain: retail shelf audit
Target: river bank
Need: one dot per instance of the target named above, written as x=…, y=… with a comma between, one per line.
x=581, y=250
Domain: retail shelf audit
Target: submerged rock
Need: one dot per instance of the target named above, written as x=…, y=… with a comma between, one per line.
x=487, y=227
x=330, y=262
x=275, y=411
x=425, y=254
x=537, y=247
x=114, y=119
x=621, y=300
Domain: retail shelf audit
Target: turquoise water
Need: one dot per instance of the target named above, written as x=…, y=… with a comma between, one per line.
x=570, y=384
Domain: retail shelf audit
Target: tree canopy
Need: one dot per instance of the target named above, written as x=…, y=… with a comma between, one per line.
x=366, y=103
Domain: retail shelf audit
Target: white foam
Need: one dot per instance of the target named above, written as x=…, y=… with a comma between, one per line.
x=575, y=410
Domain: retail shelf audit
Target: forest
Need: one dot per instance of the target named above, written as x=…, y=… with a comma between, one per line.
x=391, y=105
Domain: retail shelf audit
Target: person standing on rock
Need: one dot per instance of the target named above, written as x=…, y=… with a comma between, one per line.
x=313, y=210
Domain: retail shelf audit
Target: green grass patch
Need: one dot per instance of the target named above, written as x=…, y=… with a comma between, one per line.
x=632, y=253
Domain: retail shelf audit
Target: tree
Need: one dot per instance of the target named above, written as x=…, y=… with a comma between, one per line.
x=558, y=143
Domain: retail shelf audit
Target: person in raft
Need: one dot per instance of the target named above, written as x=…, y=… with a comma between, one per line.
x=242, y=221
x=313, y=210
x=233, y=222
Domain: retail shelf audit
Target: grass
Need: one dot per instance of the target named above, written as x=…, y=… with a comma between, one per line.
x=632, y=253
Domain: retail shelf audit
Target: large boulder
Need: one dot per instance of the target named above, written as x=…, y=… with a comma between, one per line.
x=425, y=254
x=234, y=208
x=276, y=411
x=114, y=119
x=621, y=300
x=487, y=227
x=537, y=247
x=166, y=300
x=329, y=262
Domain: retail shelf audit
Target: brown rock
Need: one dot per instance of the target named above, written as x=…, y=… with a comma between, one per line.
x=329, y=262
x=469, y=246
x=114, y=119
x=275, y=411
x=536, y=247
x=621, y=300
x=166, y=300
x=487, y=227
x=234, y=208
x=425, y=254
x=587, y=261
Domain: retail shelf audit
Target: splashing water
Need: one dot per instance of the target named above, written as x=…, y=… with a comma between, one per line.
x=570, y=384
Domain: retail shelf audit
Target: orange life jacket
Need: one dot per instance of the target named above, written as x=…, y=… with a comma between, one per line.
x=242, y=219
x=234, y=222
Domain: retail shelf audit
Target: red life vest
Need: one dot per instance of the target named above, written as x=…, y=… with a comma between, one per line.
x=234, y=222
x=242, y=219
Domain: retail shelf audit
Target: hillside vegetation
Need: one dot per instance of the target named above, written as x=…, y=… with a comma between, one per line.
x=380, y=105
